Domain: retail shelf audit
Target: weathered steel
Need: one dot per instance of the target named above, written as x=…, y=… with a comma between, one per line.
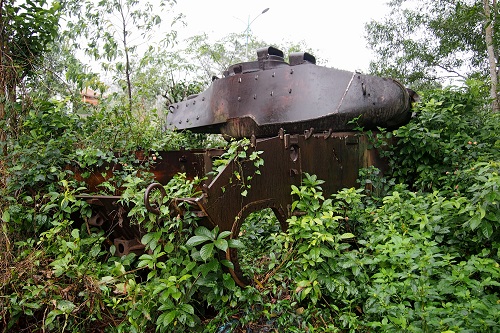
x=258, y=98
x=334, y=157
x=163, y=165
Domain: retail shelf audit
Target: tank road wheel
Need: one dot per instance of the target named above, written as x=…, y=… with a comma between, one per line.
x=232, y=253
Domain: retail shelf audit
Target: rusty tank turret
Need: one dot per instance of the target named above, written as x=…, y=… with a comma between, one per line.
x=261, y=97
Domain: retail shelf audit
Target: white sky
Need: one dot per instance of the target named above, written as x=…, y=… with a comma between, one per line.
x=335, y=28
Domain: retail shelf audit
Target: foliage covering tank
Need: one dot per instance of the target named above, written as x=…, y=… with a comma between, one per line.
x=261, y=97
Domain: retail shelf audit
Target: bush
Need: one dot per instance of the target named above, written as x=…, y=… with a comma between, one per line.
x=418, y=252
x=452, y=131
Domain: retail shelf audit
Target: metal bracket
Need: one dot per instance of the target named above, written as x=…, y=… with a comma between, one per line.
x=147, y=194
x=308, y=133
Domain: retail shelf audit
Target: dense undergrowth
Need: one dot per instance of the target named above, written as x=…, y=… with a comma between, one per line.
x=415, y=250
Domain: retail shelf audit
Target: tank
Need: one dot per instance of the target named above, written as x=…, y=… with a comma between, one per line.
x=299, y=117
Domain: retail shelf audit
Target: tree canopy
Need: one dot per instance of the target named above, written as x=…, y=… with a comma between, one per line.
x=434, y=43
x=26, y=32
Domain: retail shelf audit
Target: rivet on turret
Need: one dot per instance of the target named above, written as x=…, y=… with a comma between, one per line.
x=197, y=117
x=194, y=102
x=272, y=93
x=203, y=98
x=291, y=71
x=239, y=99
x=290, y=90
x=254, y=96
x=256, y=77
x=274, y=74
x=239, y=80
x=180, y=121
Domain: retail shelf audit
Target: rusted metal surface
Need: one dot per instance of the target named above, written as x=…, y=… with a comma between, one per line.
x=297, y=114
x=112, y=217
x=333, y=157
x=258, y=98
x=164, y=166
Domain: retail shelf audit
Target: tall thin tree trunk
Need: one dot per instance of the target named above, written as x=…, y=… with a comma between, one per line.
x=127, y=60
x=490, y=20
x=3, y=73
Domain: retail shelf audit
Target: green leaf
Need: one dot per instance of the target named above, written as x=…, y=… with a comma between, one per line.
x=221, y=244
x=207, y=251
x=72, y=246
x=224, y=234
x=169, y=247
x=347, y=235
x=203, y=231
x=212, y=265
x=151, y=275
x=487, y=229
x=95, y=250
x=187, y=308
x=228, y=282
x=166, y=318
x=227, y=263
x=65, y=306
x=474, y=222
x=235, y=243
x=75, y=233
x=6, y=216
x=146, y=238
x=176, y=294
x=197, y=240
x=52, y=315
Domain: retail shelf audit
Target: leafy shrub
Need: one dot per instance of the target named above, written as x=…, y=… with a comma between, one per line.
x=48, y=140
x=404, y=269
x=451, y=131
x=416, y=251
